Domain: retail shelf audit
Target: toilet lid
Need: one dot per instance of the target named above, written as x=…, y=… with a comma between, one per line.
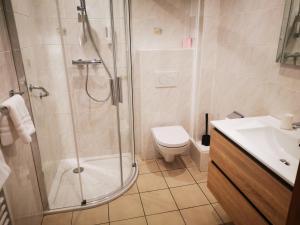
x=173, y=136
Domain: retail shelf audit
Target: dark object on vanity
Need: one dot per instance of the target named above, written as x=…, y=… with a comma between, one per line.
x=206, y=136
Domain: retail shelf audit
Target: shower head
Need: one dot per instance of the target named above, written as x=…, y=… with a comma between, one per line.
x=82, y=6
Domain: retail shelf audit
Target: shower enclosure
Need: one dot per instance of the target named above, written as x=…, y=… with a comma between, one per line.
x=77, y=62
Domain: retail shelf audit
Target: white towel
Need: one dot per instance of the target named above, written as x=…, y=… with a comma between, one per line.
x=7, y=131
x=20, y=118
x=4, y=170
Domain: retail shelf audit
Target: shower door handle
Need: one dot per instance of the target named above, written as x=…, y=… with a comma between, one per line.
x=116, y=90
x=112, y=91
x=119, y=89
x=44, y=92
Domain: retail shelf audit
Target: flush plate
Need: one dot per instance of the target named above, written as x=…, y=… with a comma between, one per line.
x=166, y=79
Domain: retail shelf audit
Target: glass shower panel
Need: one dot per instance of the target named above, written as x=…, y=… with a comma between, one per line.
x=123, y=68
x=43, y=58
x=74, y=53
x=87, y=36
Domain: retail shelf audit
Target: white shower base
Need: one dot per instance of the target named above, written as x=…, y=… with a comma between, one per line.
x=100, y=177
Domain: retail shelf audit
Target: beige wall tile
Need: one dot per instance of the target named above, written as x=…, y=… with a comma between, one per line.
x=91, y=216
x=228, y=55
x=158, y=202
x=151, y=182
x=201, y=215
x=58, y=219
x=169, y=218
x=125, y=207
x=189, y=196
x=164, y=100
x=179, y=177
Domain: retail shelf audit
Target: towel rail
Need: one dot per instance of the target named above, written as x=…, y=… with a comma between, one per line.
x=13, y=92
x=5, y=217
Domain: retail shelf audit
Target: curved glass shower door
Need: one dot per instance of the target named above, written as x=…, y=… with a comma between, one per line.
x=78, y=52
x=95, y=117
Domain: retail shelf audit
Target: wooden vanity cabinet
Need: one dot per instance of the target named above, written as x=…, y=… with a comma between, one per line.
x=255, y=192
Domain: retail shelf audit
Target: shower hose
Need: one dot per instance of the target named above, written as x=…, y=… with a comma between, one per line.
x=89, y=31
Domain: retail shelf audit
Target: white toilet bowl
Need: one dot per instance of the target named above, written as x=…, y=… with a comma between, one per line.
x=170, y=141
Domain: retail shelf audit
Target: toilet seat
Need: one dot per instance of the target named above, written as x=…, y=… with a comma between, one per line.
x=171, y=137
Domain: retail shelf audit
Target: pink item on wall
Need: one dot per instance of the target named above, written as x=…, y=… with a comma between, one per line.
x=187, y=42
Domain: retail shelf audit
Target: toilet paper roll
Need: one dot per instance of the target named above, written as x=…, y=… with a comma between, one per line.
x=287, y=121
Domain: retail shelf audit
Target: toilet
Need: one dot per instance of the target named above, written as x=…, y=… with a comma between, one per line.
x=170, y=141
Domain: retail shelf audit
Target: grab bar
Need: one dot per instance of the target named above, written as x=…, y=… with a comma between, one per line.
x=42, y=95
x=86, y=62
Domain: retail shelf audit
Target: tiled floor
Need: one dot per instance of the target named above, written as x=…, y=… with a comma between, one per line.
x=164, y=194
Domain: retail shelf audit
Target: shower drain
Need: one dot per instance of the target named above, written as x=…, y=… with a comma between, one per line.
x=285, y=162
x=78, y=170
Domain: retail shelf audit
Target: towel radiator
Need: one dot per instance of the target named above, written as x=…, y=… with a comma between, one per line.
x=5, y=218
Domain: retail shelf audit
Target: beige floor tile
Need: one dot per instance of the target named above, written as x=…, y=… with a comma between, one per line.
x=148, y=166
x=207, y=193
x=151, y=182
x=169, y=218
x=221, y=212
x=158, y=202
x=138, y=158
x=132, y=190
x=163, y=165
x=179, y=177
x=58, y=219
x=91, y=216
x=201, y=215
x=189, y=196
x=200, y=177
x=188, y=162
x=135, y=221
x=126, y=207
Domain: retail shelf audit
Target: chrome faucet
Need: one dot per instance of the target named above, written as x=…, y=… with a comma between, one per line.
x=296, y=125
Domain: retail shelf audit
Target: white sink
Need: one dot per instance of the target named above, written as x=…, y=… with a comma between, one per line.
x=261, y=137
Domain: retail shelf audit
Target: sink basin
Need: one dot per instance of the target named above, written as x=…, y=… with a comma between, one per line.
x=277, y=149
x=273, y=141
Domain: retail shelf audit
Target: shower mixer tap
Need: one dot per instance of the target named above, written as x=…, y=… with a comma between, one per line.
x=82, y=6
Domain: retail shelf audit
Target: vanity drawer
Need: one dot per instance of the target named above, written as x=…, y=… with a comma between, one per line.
x=233, y=202
x=267, y=193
